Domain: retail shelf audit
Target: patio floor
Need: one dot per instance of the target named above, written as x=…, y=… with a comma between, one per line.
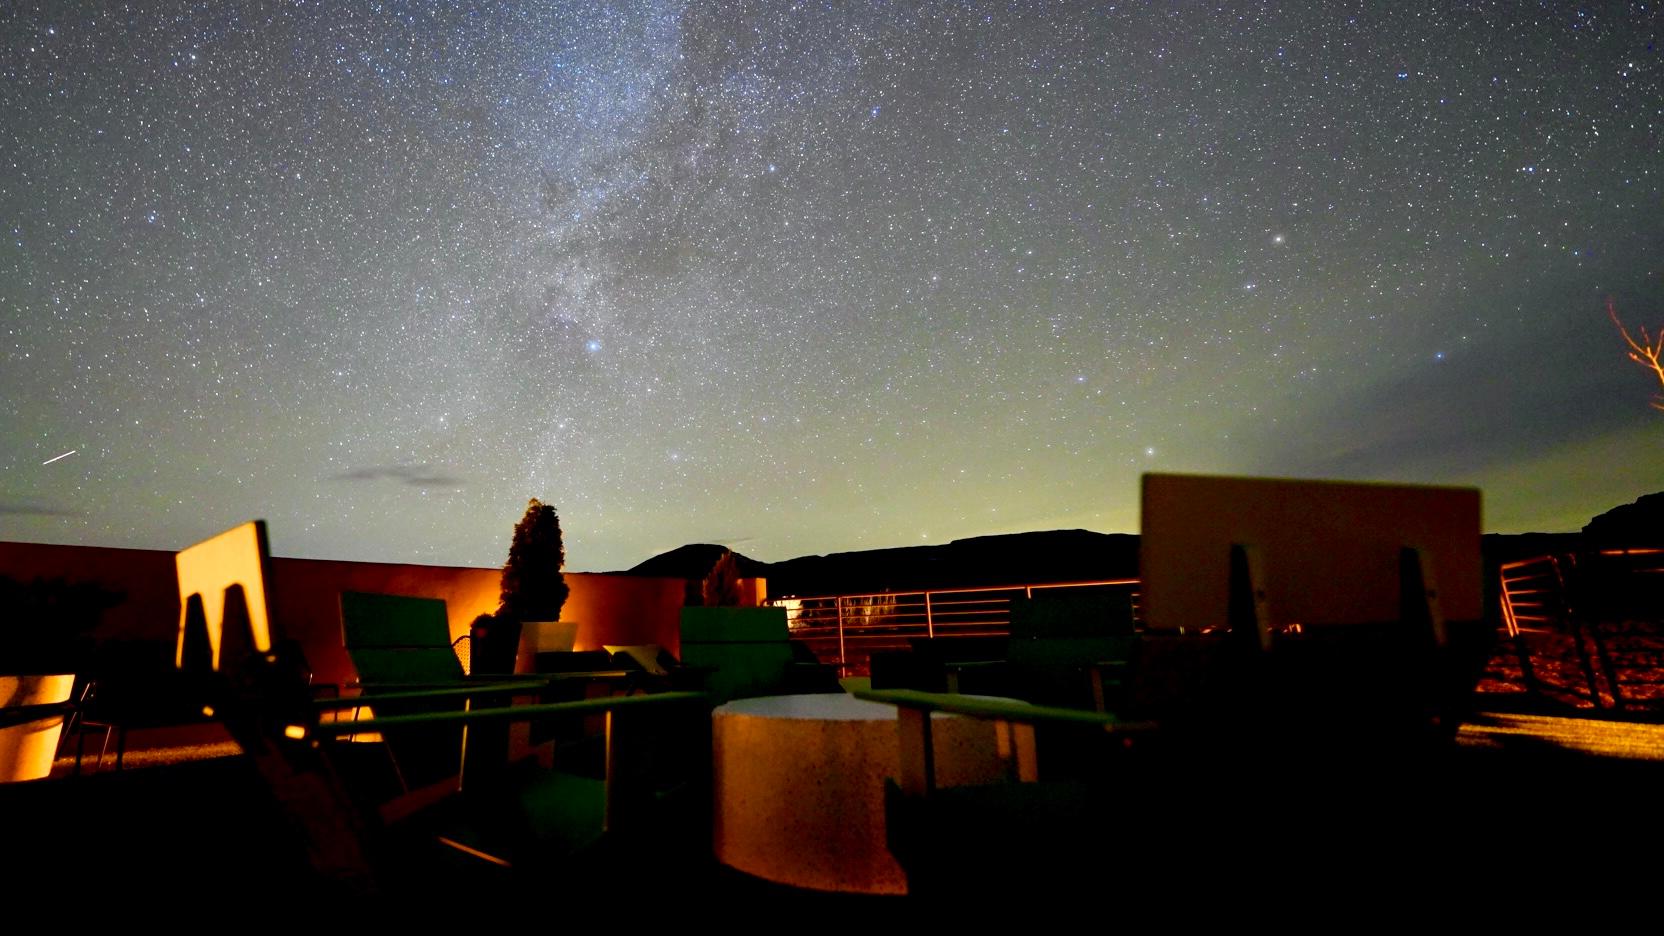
x=1574, y=797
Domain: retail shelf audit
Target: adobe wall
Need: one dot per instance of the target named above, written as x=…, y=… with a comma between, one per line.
x=304, y=596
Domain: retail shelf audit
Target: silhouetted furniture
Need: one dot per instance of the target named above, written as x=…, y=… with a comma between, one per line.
x=1610, y=599
x=962, y=664
x=546, y=647
x=798, y=794
x=807, y=674
x=548, y=636
x=592, y=662
x=1071, y=648
x=944, y=664
x=1016, y=834
x=223, y=575
x=1301, y=636
x=571, y=675
x=651, y=659
x=1633, y=580
x=652, y=668
x=1604, y=607
x=82, y=722
x=133, y=685
x=905, y=669
x=524, y=819
x=1317, y=603
x=745, y=652
x=398, y=640
x=399, y=643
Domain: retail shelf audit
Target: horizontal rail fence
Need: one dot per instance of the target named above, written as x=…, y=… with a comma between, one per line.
x=845, y=630
x=1543, y=622
x=1625, y=613
x=1533, y=595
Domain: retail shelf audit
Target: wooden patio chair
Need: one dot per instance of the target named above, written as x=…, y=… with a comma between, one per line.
x=516, y=820
x=745, y=652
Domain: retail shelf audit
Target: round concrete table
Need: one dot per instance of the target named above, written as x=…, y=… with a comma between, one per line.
x=798, y=786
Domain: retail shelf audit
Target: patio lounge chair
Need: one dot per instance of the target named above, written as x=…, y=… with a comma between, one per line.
x=1071, y=648
x=519, y=819
x=745, y=652
x=399, y=641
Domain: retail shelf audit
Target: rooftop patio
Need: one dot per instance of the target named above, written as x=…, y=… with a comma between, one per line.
x=1303, y=727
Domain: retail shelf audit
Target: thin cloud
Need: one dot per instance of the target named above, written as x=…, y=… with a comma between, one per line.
x=25, y=508
x=1481, y=409
x=733, y=541
x=422, y=476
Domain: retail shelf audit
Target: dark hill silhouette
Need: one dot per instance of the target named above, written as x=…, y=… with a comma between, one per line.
x=1068, y=556
x=1638, y=524
x=1510, y=547
x=1007, y=559
x=695, y=560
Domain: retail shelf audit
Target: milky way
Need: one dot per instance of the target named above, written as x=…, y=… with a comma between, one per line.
x=799, y=278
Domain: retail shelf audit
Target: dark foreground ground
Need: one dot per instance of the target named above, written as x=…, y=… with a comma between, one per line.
x=1528, y=815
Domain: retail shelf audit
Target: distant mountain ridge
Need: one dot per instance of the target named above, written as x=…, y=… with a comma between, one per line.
x=694, y=561
x=1066, y=556
x=1002, y=559
x=1640, y=523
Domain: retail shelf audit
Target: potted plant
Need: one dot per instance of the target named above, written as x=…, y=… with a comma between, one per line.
x=43, y=644
x=720, y=588
x=533, y=589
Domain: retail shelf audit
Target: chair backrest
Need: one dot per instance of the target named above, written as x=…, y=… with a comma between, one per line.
x=398, y=639
x=748, y=649
x=549, y=636
x=245, y=675
x=221, y=577
x=1619, y=583
x=546, y=646
x=1075, y=626
x=650, y=658
x=1347, y=611
x=1327, y=553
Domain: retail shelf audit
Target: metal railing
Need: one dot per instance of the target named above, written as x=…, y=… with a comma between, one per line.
x=1537, y=607
x=845, y=630
x=1533, y=595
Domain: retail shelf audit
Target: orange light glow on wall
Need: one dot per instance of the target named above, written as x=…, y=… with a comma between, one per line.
x=209, y=570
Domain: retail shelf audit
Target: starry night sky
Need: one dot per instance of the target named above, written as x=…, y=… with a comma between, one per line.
x=809, y=277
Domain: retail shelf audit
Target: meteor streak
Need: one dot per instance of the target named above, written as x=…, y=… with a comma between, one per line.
x=59, y=457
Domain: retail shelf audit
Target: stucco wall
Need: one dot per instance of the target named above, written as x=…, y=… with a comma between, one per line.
x=304, y=596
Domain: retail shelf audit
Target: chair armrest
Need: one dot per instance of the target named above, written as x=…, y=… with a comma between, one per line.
x=663, y=700
x=512, y=713
x=1015, y=721
x=421, y=693
x=1003, y=710
x=488, y=684
x=953, y=668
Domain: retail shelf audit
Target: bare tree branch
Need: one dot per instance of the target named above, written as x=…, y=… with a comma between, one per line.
x=1647, y=352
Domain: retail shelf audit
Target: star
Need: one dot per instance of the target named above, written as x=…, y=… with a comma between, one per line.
x=686, y=268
